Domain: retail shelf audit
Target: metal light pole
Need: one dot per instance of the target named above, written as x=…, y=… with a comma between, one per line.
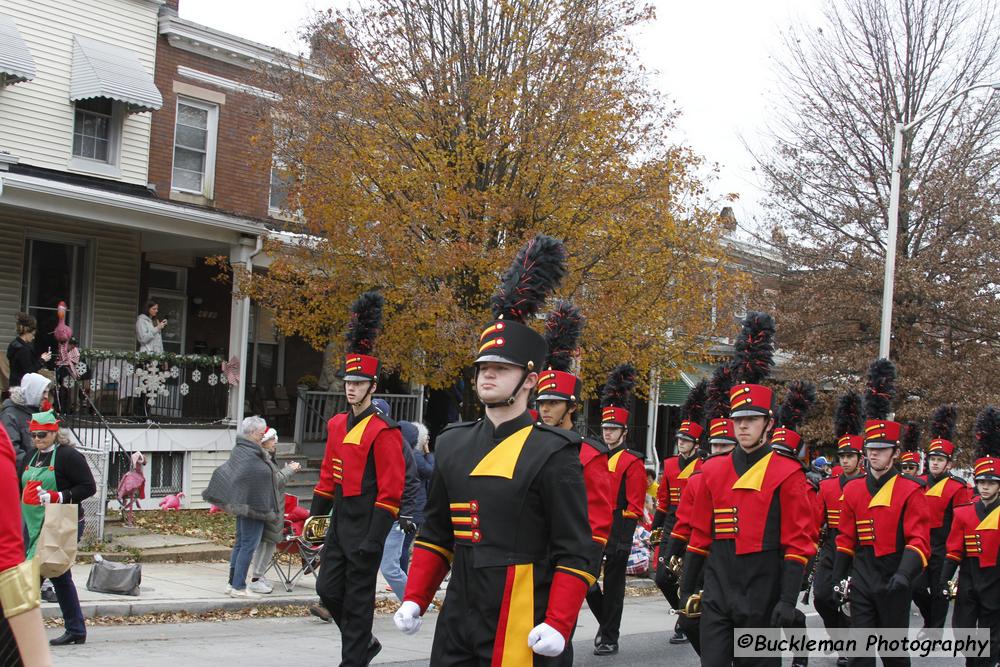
x=890, y=251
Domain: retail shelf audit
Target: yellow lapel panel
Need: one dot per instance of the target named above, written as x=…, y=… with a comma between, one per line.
x=754, y=477
x=688, y=470
x=353, y=437
x=938, y=488
x=501, y=459
x=613, y=461
x=884, y=496
x=991, y=521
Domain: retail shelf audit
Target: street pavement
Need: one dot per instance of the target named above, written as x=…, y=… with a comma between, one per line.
x=307, y=641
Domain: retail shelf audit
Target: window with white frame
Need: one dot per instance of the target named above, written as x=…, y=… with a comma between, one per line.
x=95, y=130
x=281, y=183
x=195, y=133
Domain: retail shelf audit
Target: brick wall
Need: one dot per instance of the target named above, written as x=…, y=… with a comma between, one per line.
x=242, y=164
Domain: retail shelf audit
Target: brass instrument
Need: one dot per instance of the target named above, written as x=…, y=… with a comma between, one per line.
x=692, y=608
x=315, y=527
x=656, y=536
x=676, y=564
x=951, y=591
x=843, y=593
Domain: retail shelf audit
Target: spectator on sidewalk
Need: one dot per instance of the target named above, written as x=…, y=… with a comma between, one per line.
x=425, y=470
x=405, y=525
x=273, y=530
x=244, y=486
x=17, y=410
x=21, y=351
x=55, y=473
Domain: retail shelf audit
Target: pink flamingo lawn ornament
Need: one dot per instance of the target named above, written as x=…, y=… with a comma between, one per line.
x=132, y=487
x=172, y=502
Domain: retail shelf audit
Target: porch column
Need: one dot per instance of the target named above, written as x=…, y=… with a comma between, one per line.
x=241, y=258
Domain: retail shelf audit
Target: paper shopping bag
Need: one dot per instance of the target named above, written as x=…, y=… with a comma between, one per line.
x=56, y=545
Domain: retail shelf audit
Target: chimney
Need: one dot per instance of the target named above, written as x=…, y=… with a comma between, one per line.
x=173, y=4
x=728, y=219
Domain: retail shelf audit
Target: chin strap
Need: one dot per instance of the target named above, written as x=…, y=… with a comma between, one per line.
x=513, y=397
x=371, y=387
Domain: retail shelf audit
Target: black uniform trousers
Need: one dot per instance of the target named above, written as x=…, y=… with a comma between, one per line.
x=871, y=605
x=933, y=607
x=823, y=596
x=346, y=585
x=665, y=579
x=691, y=627
x=607, y=604
x=978, y=606
x=740, y=592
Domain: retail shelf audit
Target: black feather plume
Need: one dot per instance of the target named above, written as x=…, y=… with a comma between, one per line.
x=988, y=432
x=754, y=354
x=881, y=389
x=799, y=397
x=365, y=323
x=848, y=419
x=909, y=440
x=562, y=331
x=717, y=399
x=693, y=408
x=943, y=422
x=618, y=389
x=537, y=270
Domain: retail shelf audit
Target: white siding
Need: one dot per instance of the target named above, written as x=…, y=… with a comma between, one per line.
x=114, y=282
x=203, y=464
x=36, y=117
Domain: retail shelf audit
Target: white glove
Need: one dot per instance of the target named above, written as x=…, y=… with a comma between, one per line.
x=546, y=640
x=44, y=498
x=407, y=617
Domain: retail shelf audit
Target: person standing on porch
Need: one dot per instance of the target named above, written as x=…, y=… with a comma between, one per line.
x=148, y=329
x=21, y=351
x=361, y=483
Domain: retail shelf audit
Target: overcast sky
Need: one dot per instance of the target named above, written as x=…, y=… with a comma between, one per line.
x=714, y=59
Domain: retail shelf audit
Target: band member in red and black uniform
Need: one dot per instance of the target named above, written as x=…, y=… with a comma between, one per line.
x=944, y=492
x=909, y=457
x=628, y=495
x=507, y=509
x=752, y=525
x=721, y=440
x=558, y=397
x=883, y=538
x=974, y=544
x=848, y=424
x=361, y=481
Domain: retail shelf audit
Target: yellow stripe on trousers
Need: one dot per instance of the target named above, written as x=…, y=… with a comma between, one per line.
x=520, y=619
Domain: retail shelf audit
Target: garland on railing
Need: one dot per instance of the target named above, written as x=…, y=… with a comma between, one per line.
x=142, y=358
x=153, y=371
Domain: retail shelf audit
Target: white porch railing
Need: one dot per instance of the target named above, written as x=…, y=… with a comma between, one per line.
x=316, y=407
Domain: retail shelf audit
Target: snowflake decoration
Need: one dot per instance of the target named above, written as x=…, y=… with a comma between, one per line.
x=184, y=389
x=81, y=368
x=213, y=379
x=222, y=378
x=196, y=375
x=152, y=401
x=175, y=372
x=129, y=369
x=114, y=373
x=93, y=384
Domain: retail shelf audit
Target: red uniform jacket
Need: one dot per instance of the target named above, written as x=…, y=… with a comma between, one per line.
x=972, y=537
x=893, y=519
x=831, y=497
x=347, y=456
x=943, y=497
x=598, y=483
x=682, y=527
x=672, y=482
x=737, y=507
x=11, y=537
x=628, y=483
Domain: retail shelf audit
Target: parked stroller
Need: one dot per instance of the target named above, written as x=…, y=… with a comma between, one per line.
x=298, y=553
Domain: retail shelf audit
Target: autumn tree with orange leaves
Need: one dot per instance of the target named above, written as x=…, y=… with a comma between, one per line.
x=431, y=138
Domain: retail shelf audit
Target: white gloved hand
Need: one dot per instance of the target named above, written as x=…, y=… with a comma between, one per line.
x=46, y=497
x=546, y=640
x=407, y=617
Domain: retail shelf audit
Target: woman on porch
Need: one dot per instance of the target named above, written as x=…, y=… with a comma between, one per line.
x=148, y=330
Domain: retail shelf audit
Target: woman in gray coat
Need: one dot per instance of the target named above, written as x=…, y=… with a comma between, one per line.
x=244, y=487
x=273, y=530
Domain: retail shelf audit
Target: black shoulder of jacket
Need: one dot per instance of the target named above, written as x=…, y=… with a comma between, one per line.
x=568, y=436
x=389, y=421
x=789, y=455
x=457, y=425
x=637, y=454
x=958, y=479
x=918, y=480
x=597, y=444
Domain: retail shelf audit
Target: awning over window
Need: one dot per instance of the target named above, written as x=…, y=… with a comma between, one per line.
x=104, y=70
x=16, y=64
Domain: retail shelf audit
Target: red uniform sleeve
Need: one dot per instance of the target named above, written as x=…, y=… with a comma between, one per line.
x=847, y=529
x=962, y=496
x=11, y=539
x=682, y=527
x=955, y=546
x=635, y=490
x=701, y=518
x=324, y=487
x=916, y=526
x=798, y=519
x=663, y=491
x=390, y=469
x=598, y=482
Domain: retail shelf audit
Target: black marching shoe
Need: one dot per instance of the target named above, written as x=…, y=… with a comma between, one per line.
x=597, y=639
x=68, y=638
x=679, y=637
x=606, y=649
x=374, y=648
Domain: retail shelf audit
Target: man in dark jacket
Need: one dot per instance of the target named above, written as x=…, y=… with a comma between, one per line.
x=17, y=410
x=405, y=525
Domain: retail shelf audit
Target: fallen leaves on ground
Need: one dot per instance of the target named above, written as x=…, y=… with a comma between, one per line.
x=218, y=527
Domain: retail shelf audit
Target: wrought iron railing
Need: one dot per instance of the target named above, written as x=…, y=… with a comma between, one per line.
x=128, y=387
x=316, y=407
